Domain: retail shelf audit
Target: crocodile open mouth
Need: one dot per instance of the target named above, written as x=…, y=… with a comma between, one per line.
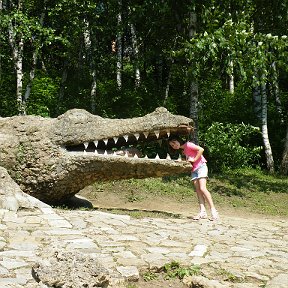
x=147, y=144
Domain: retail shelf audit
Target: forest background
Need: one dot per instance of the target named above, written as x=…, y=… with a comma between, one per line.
x=222, y=63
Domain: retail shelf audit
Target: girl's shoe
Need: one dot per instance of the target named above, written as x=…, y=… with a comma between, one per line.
x=200, y=215
x=214, y=216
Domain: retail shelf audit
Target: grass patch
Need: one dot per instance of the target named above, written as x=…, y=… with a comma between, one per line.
x=172, y=270
x=251, y=190
x=175, y=270
x=248, y=190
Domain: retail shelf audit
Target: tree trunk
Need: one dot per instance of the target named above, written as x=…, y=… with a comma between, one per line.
x=119, y=47
x=231, y=77
x=17, y=54
x=1, y=8
x=93, y=91
x=62, y=85
x=167, y=87
x=194, y=108
x=257, y=98
x=194, y=94
x=284, y=162
x=136, y=55
x=275, y=91
x=266, y=142
x=92, y=68
x=31, y=78
x=34, y=62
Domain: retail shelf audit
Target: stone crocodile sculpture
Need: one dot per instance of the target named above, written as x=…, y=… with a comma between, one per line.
x=54, y=158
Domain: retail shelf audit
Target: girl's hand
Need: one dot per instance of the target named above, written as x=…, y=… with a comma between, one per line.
x=191, y=159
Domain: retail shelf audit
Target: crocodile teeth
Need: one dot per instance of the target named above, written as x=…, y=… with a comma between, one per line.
x=95, y=143
x=115, y=139
x=168, y=157
x=157, y=157
x=126, y=154
x=96, y=152
x=157, y=133
x=168, y=133
x=105, y=152
x=105, y=141
x=125, y=137
x=86, y=145
x=135, y=156
x=85, y=152
x=137, y=135
x=146, y=134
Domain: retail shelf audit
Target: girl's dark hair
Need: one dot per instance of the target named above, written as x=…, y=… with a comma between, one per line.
x=176, y=138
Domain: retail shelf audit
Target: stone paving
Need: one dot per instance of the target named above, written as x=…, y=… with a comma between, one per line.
x=249, y=253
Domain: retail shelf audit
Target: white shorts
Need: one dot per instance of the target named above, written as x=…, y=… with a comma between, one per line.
x=201, y=172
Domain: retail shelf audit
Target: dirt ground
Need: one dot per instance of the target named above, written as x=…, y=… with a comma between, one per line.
x=165, y=205
x=155, y=206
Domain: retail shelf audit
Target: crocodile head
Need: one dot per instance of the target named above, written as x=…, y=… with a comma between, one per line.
x=52, y=159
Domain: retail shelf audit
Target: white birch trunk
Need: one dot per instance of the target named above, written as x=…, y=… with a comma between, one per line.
x=265, y=135
x=257, y=98
x=194, y=108
x=31, y=78
x=231, y=77
x=93, y=74
x=119, y=47
x=19, y=75
x=136, y=55
x=167, y=87
x=194, y=93
x=275, y=89
x=93, y=91
x=17, y=53
x=34, y=62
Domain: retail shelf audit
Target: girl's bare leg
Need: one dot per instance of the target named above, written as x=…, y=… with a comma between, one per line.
x=201, y=200
x=207, y=195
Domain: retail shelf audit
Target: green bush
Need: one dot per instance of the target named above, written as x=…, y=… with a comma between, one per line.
x=231, y=146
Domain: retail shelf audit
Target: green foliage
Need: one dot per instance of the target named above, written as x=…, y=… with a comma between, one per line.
x=230, y=146
x=174, y=270
x=149, y=275
x=232, y=38
x=43, y=98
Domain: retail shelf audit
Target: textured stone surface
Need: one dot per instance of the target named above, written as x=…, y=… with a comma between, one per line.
x=53, y=159
x=244, y=253
x=70, y=269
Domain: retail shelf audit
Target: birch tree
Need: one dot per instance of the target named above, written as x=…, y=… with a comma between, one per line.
x=16, y=41
x=37, y=47
x=119, y=44
x=264, y=129
x=136, y=55
x=194, y=94
x=91, y=61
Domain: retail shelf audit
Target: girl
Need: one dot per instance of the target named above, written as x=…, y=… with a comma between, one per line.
x=194, y=155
